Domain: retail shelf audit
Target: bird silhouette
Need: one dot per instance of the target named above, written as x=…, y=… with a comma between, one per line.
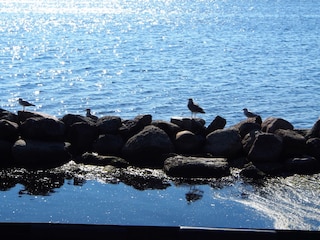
x=89, y=115
x=194, y=108
x=24, y=103
x=249, y=114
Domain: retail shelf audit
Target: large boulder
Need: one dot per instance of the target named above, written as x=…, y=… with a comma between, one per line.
x=302, y=165
x=180, y=166
x=12, y=117
x=313, y=147
x=188, y=142
x=108, y=144
x=9, y=130
x=34, y=153
x=223, y=143
x=170, y=128
x=294, y=144
x=132, y=127
x=47, y=129
x=5, y=152
x=24, y=115
x=98, y=160
x=271, y=124
x=109, y=124
x=81, y=135
x=314, y=132
x=147, y=146
x=217, y=123
x=195, y=125
x=70, y=119
x=267, y=147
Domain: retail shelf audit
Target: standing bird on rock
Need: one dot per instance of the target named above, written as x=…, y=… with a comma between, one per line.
x=194, y=108
x=249, y=114
x=25, y=103
x=89, y=115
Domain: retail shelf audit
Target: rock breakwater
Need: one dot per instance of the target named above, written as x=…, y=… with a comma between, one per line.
x=182, y=147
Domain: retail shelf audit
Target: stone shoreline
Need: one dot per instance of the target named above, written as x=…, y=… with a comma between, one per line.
x=183, y=147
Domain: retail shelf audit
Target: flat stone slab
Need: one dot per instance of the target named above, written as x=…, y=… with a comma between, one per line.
x=196, y=167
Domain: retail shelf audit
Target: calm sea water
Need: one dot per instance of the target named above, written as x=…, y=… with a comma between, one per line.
x=135, y=57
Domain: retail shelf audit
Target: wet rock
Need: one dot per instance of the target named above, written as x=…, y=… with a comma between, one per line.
x=190, y=167
x=267, y=147
x=271, y=124
x=188, y=142
x=251, y=171
x=109, y=124
x=248, y=141
x=293, y=143
x=32, y=153
x=302, y=165
x=217, y=123
x=98, y=160
x=9, y=130
x=108, y=144
x=223, y=143
x=47, y=129
x=195, y=125
x=147, y=146
x=248, y=127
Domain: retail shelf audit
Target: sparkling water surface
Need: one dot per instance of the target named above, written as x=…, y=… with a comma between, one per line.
x=126, y=58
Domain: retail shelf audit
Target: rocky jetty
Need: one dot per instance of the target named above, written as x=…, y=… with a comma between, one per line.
x=183, y=147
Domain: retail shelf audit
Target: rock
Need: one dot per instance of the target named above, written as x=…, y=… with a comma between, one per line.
x=132, y=127
x=109, y=124
x=70, y=119
x=302, y=165
x=248, y=127
x=195, y=125
x=271, y=124
x=81, y=135
x=6, y=115
x=9, y=130
x=170, y=128
x=223, y=143
x=188, y=142
x=147, y=146
x=47, y=129
x=6, y=152
x=293, y=143
x=98, y=160
x=267, y=147
x=217, y=123
x=108, y=144
x=313, y=147
x=34, y=153
x=24, y=115
x=251, y=171
x=191, y=167
x=248, y=141
x=314, y=132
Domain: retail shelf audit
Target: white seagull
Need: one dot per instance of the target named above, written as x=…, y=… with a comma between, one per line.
x=194, y=108
x=25, y=103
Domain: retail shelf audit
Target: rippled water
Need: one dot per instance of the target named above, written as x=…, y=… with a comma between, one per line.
x=127, y=58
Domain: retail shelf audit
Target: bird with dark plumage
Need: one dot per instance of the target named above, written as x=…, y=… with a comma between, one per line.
x=25, y=103
x=249, y=114
x=194, y=108
x=89, y=115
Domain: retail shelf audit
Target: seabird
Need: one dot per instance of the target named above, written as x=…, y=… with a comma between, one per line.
x=89, y=115
x=249, y=114
x=194, y=108
x=25, y=103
